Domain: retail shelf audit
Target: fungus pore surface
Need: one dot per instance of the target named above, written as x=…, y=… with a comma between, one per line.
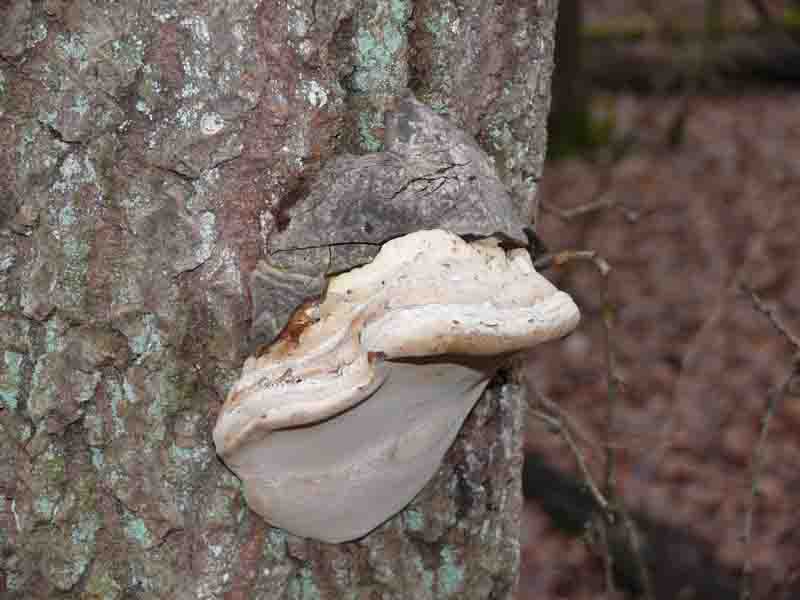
x=349, y=413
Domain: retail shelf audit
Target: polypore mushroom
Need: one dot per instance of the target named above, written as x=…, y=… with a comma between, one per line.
x=349, y=413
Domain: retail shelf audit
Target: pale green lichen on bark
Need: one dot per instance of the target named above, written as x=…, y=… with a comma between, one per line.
x=368, y=123
x=450, y=575
x=136, y=530
x=3, y=91
x=102, y=585
x=75, y=171
x=380, y=65
x=436, y=24
x=49, y=477
x=413, y=519
x=80, y=104
x=11, y=378
x=316, y=94
x=72, y=47
x=128, y=53
x=38, y=33
x=83, y=537
x=148, y=338
x=303, y=586
x=442, y=24
x=275, y=544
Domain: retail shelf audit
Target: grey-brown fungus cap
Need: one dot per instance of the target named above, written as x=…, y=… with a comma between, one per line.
x=349, y=413
x=431, y=175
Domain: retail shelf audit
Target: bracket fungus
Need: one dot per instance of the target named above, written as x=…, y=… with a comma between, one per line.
x=349, y=413
x=430, y=175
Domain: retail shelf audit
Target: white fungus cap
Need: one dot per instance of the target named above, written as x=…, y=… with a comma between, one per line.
x=348, y=415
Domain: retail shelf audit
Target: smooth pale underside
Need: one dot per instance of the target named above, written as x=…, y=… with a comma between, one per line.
x=349, y=414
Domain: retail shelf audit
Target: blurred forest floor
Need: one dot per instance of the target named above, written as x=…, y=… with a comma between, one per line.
x=696, y=197
x=683, y=228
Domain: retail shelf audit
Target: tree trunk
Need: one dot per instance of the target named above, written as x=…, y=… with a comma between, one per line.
x=570, y=119
x=148, y=148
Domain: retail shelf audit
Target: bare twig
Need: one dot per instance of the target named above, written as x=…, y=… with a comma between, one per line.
x=611, y=504
x=568, y=214
x=602, y=266
x=611, y=386
x=632, y=533
x=598, y=528
x=773, y=401
x=774, y=318
x=604, y=532
x=557, y=424
x=612, y=383
x=565, y=256
x=577, y=431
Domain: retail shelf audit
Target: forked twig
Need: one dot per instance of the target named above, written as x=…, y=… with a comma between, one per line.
x=611, y=504
x=773, y=401
x=758, y=461
x=557, y=424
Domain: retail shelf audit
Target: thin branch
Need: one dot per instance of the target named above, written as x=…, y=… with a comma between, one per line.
x=602, y=520
x=773, y=402
x=565, y=256
x=602, y=198
x=774, y=399
x=634, y=540
x=568, y=214
x=604, y=532
x=612, y=505
x=556, y=423
x=774, y=318
x=577, y=431
x=611, y=386
x=602, y=266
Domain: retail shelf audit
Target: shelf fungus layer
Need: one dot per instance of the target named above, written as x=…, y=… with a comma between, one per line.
x=349, y=413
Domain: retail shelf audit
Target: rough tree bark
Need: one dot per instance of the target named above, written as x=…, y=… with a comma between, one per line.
x=148, y=148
